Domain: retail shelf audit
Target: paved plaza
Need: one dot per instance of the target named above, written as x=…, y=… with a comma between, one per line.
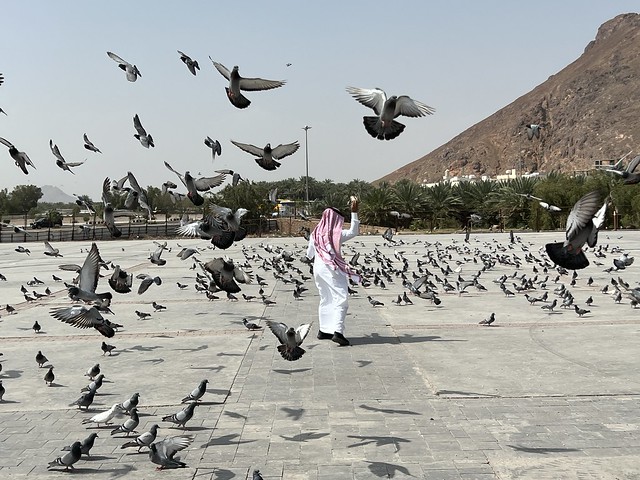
x=423, y=391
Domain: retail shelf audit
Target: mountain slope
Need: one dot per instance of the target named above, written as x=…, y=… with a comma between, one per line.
x=590, y=111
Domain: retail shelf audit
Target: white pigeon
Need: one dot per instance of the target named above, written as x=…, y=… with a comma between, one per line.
x=383, y=126
x=105, y=417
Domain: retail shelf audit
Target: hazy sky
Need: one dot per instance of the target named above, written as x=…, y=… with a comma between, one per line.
x=466, y=59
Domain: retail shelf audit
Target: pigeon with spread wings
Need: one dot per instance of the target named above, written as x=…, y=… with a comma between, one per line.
x=191, y=64
x=108, y=211
x=267, y=156
x=194, y=185
x=383, y=126
x=21, y=158
x=290, y=339
x=80, y=316
x=582, y=227
x=131, y=71
x=89, y=145
x=238, y=83
x=146, y=140
x=225, y=274
x=214, y=145
x=60, y=161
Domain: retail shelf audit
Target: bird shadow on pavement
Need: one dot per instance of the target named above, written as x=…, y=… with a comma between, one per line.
x=11, y=374
x=194, y=349
x=387, y=470
x=225, y=440
x=376, y=339
x=290, y=372
x=56, y=385
x=140, y=348
x=217, y=368
x=466, y=394
x=378, y=441
x=222, y=474
x=542, y=450
x=392, y=411
x=303, y=437
x=97, y=458
x=119, y=471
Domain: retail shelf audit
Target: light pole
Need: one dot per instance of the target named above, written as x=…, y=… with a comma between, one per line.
x=306, y=158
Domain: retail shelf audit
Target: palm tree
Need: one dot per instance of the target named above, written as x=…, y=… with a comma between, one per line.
x=375, y=206
x=441, y=201
x=409, y=197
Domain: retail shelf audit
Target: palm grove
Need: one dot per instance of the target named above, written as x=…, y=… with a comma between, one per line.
x=443, y=206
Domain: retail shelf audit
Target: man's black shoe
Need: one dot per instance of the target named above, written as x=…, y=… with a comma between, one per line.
x=340, y=340
x=324, y=336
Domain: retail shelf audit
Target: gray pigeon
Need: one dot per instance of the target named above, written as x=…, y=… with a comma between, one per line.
x=197, y=393
x=383, y=126
x=21, y=158
x=214, y=145
x=144, y=440
x=290, y=339
x=81, y=316
x=162, y=453
x=256, y=475
x=109, y=212
x=130, y=424
x=628, y=174
x=250, y=325
x=192, y=65
x=41, y=359
x=182, y=417
x=225, y=274
x=145, y=139
x=238, y=83
x=147, y=281
x=93, y=372
x=85, y=400
x=86, y=446
x=50, y=251
x=49, y=377
x=489, y=320
x=267, y=156
x=131, y=71
x=2, y=390
x=580, y=229
x=533, y=130
x=68, y=459
x=60, y=161
x=130, y=403
x=89, y=145
x=202, y=184
x=88, y=281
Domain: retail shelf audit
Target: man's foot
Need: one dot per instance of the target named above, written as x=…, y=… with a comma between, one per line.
x=324, y=336
x=340, y=340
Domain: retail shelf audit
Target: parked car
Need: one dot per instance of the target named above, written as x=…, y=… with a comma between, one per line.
x=46, y=223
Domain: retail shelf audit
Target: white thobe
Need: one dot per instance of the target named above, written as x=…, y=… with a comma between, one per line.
x=332, y=285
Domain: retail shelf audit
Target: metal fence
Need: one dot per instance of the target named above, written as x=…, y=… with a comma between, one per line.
x=131, y=230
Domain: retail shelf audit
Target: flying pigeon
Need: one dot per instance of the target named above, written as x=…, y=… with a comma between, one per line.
x=214, y=145
x=580, y=229
x=225, y=274
x=383, y=126
x=194, y=186
x=533, y=130
x=89, y=145
x=162, y=453
x=120, y=281
x=88, y=281
x=109, y=212
x=131, y=70
x=21, y=158
x=192, y=65
x=146, y=140
x=238, y=83
x=267, y=156
x=543, y=204
x=290, y=339
x=50, y=251
x=81, y=316
x=60, y=161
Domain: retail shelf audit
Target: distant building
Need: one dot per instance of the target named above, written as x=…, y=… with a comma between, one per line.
x=457, y=179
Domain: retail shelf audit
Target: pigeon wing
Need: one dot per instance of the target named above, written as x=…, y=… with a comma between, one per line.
x=117, y=59
x=203, y=184
x=373, y=98
x=224, y=71
x=279, y=330
x=633, y=164
x=412, y=108
x=89, y=272
x=138, y=126
x=582, y=213
x=6, y=143
x=56, y=151
x=285, y=150
x=172, y=445
x=252, y=149
x=301, y=332
x=253, y=84
x=180, y=176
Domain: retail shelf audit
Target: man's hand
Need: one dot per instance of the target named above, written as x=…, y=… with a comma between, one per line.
x=354, y=204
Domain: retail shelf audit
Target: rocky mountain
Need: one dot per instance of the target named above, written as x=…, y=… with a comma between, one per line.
x=51, y=194
x=589, y=111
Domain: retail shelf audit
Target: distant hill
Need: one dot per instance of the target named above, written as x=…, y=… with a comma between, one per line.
x=590, y=111
x=51, y=194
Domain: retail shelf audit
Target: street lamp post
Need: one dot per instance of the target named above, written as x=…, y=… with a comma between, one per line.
x=306, y=157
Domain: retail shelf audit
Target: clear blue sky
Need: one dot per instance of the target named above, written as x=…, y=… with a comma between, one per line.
x=466, y=59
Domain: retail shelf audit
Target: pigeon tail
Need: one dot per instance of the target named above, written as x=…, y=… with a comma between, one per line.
x=291, y=354
x=377, y=130
x=239, y=101
x=196, y=199
x=270, y=166
x=559, y=255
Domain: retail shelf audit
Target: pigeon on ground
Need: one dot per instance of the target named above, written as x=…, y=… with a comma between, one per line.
x=191, y=64
x=49, y=377
x=142, y=315
x=383, y=126
x=41, y=359
x=197, y=393
x=89, y=145
x=251, y=325
x=130, y=403
x=238, y=84
x=21, y=158
x=85, y=400
x=36, y=327
x=489, y=320
x=131, y=71
x=95, y=384
x=130, y=424
x=267, y=157
x=162, y=453
x=290, y=339
x=214, y=145
x=60, y=161
x=183, y=416
x=145, y=139
x=144, y=440
x=581, y=311
x=256, y=475
x=374, y=302
x=157, y=307
x=68, y=459
x=86, y=445
x=81, y=316
x=93, y=372
x=106, y=348
x=550, y=306
x=580, y=229
x=106, y=416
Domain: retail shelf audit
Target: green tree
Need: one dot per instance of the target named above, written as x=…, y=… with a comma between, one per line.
x=375, y=206
x=24, y=198
x=442, y=202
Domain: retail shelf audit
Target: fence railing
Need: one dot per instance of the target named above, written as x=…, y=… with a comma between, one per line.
x=129, y=231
